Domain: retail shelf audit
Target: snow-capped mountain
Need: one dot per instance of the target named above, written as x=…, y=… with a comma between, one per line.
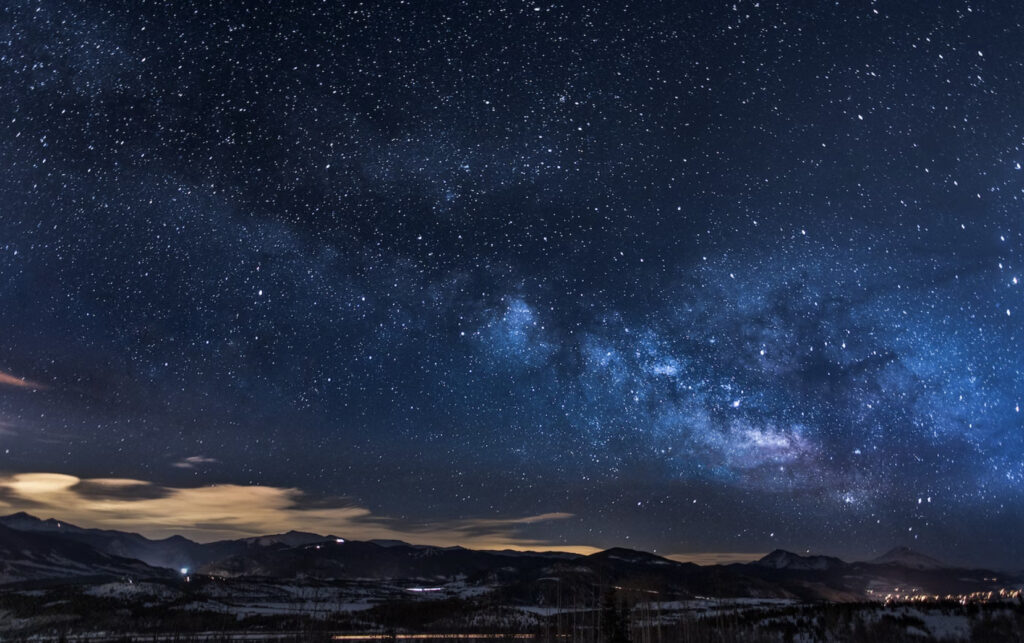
x=906, y=557
x=34, y=549
x=782, y=559
x=36, y=556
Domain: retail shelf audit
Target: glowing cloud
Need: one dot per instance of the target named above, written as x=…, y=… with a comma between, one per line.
x=6, y=379
x=233, y=511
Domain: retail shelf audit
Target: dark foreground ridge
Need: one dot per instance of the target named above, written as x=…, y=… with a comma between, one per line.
x=59, y=579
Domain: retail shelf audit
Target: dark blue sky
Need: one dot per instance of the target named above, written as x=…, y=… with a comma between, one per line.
x=710, y=277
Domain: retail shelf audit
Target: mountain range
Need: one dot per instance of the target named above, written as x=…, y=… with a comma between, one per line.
x=33, y=550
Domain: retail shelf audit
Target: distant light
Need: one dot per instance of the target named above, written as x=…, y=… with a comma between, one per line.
x=184, y=570
x=339, y=540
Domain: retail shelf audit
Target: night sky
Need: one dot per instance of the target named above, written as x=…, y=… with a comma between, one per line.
x=692, y=277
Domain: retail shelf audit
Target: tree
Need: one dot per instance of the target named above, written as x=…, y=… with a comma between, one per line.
x=614, y=619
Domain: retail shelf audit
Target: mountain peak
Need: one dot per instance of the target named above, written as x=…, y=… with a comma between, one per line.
x=290, y=539
x=778, y=558
x=21, y=515
x=23, y=520
x=27, y=522
x=631, y=556
x=389, y=542
x=782, y=559
x=906, y=557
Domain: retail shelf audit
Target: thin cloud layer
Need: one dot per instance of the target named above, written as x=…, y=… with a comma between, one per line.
x=194, y=461
x=6, y=379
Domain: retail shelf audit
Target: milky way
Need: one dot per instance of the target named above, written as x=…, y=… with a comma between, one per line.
x=709, y=277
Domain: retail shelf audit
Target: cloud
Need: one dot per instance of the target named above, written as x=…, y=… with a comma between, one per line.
x=192, y=461
x=102, y=489
x=6, y=379
x=235, y=511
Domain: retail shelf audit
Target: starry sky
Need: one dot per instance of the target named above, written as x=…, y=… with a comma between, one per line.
x=703, y=278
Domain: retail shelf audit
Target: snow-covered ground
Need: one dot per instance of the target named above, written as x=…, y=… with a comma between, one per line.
x=131, y=590
x=483, y=607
